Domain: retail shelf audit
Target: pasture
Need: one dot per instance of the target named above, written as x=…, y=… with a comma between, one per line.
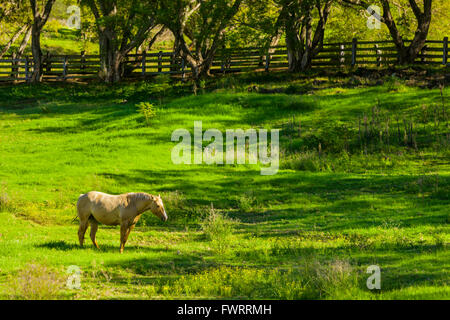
x=354, y=189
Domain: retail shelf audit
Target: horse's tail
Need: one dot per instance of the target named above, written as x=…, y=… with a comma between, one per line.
x=79, y=197
x=81, y=194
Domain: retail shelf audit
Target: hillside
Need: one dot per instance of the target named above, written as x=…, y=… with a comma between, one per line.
x=339, y=203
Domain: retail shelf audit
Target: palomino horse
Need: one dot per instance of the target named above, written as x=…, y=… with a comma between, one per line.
x=124, y=210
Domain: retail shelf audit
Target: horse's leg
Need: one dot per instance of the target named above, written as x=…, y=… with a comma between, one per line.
x=82, y=230
x=123, y=235
x=124, y=238
x=128, y=231
x=94, y=227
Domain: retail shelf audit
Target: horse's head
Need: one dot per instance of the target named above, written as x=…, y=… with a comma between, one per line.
x=157, y=207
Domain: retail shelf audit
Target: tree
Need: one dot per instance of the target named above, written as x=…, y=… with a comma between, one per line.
x=204, y=23
x=8, y=8
x=24, y=29
x=122, y=25
x=406, y=53
x=255, y=24
x=303, y=40
x=13, y=16
x=40, y=17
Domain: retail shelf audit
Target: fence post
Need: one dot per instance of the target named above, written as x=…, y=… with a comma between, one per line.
x=173, y=66
x=160, y=61
x=354, y=45
x=83, y=60
x=378, y=55
x=13, y=58
x=48, y=62
x=26, y=69
x=423, y=51
x=144, y=58
x=183, y=75
x=65, y=68
x=445, y=51
x=341, y=55
x=266, y=67
x=222, y=65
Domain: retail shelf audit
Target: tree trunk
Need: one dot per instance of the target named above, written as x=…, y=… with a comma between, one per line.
x=39, y=21
x=205, y=67
x=295, y=54
x=115, y=68
x=408, y=54
x=111, y=60
x=37, y=53
x=300, y=43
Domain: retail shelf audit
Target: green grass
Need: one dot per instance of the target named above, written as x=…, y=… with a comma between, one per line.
x=308, y=232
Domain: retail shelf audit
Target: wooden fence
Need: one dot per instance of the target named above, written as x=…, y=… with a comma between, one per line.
x=333, y=55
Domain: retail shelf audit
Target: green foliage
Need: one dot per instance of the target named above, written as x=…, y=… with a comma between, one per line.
x=309, y=280
x=218, y=229
x=160, y=85
x=37, y=282
x=246, y=201
x=147, y=110
x=245, y=283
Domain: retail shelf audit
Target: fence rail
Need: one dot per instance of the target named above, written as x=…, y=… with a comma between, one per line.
x=338, y=55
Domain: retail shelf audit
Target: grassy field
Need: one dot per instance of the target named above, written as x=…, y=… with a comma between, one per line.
x=356, y=187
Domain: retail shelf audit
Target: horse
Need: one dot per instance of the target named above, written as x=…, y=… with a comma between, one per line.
x=125, y=210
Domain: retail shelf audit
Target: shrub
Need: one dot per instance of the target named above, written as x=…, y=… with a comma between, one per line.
x=37, y=282
x=245, y=202
x=160, y=86
x=218, y=229
x=235, y=282
x=147, y=110
x=303, y=161
x=311, y=280
x=329, y=279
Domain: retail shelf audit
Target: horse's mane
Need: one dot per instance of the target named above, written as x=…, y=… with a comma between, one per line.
x=140, y=196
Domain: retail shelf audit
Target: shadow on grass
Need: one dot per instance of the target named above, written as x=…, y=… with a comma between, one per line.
x=327, y=201
x=172, y=265
x=62, y=245
x=59, y=245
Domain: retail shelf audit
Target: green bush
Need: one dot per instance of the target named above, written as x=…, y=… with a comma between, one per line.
x=147, y=110
x=218, y=229
x=303, y=161
x=310, y=280
x=245, y=202
x=37, y=282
